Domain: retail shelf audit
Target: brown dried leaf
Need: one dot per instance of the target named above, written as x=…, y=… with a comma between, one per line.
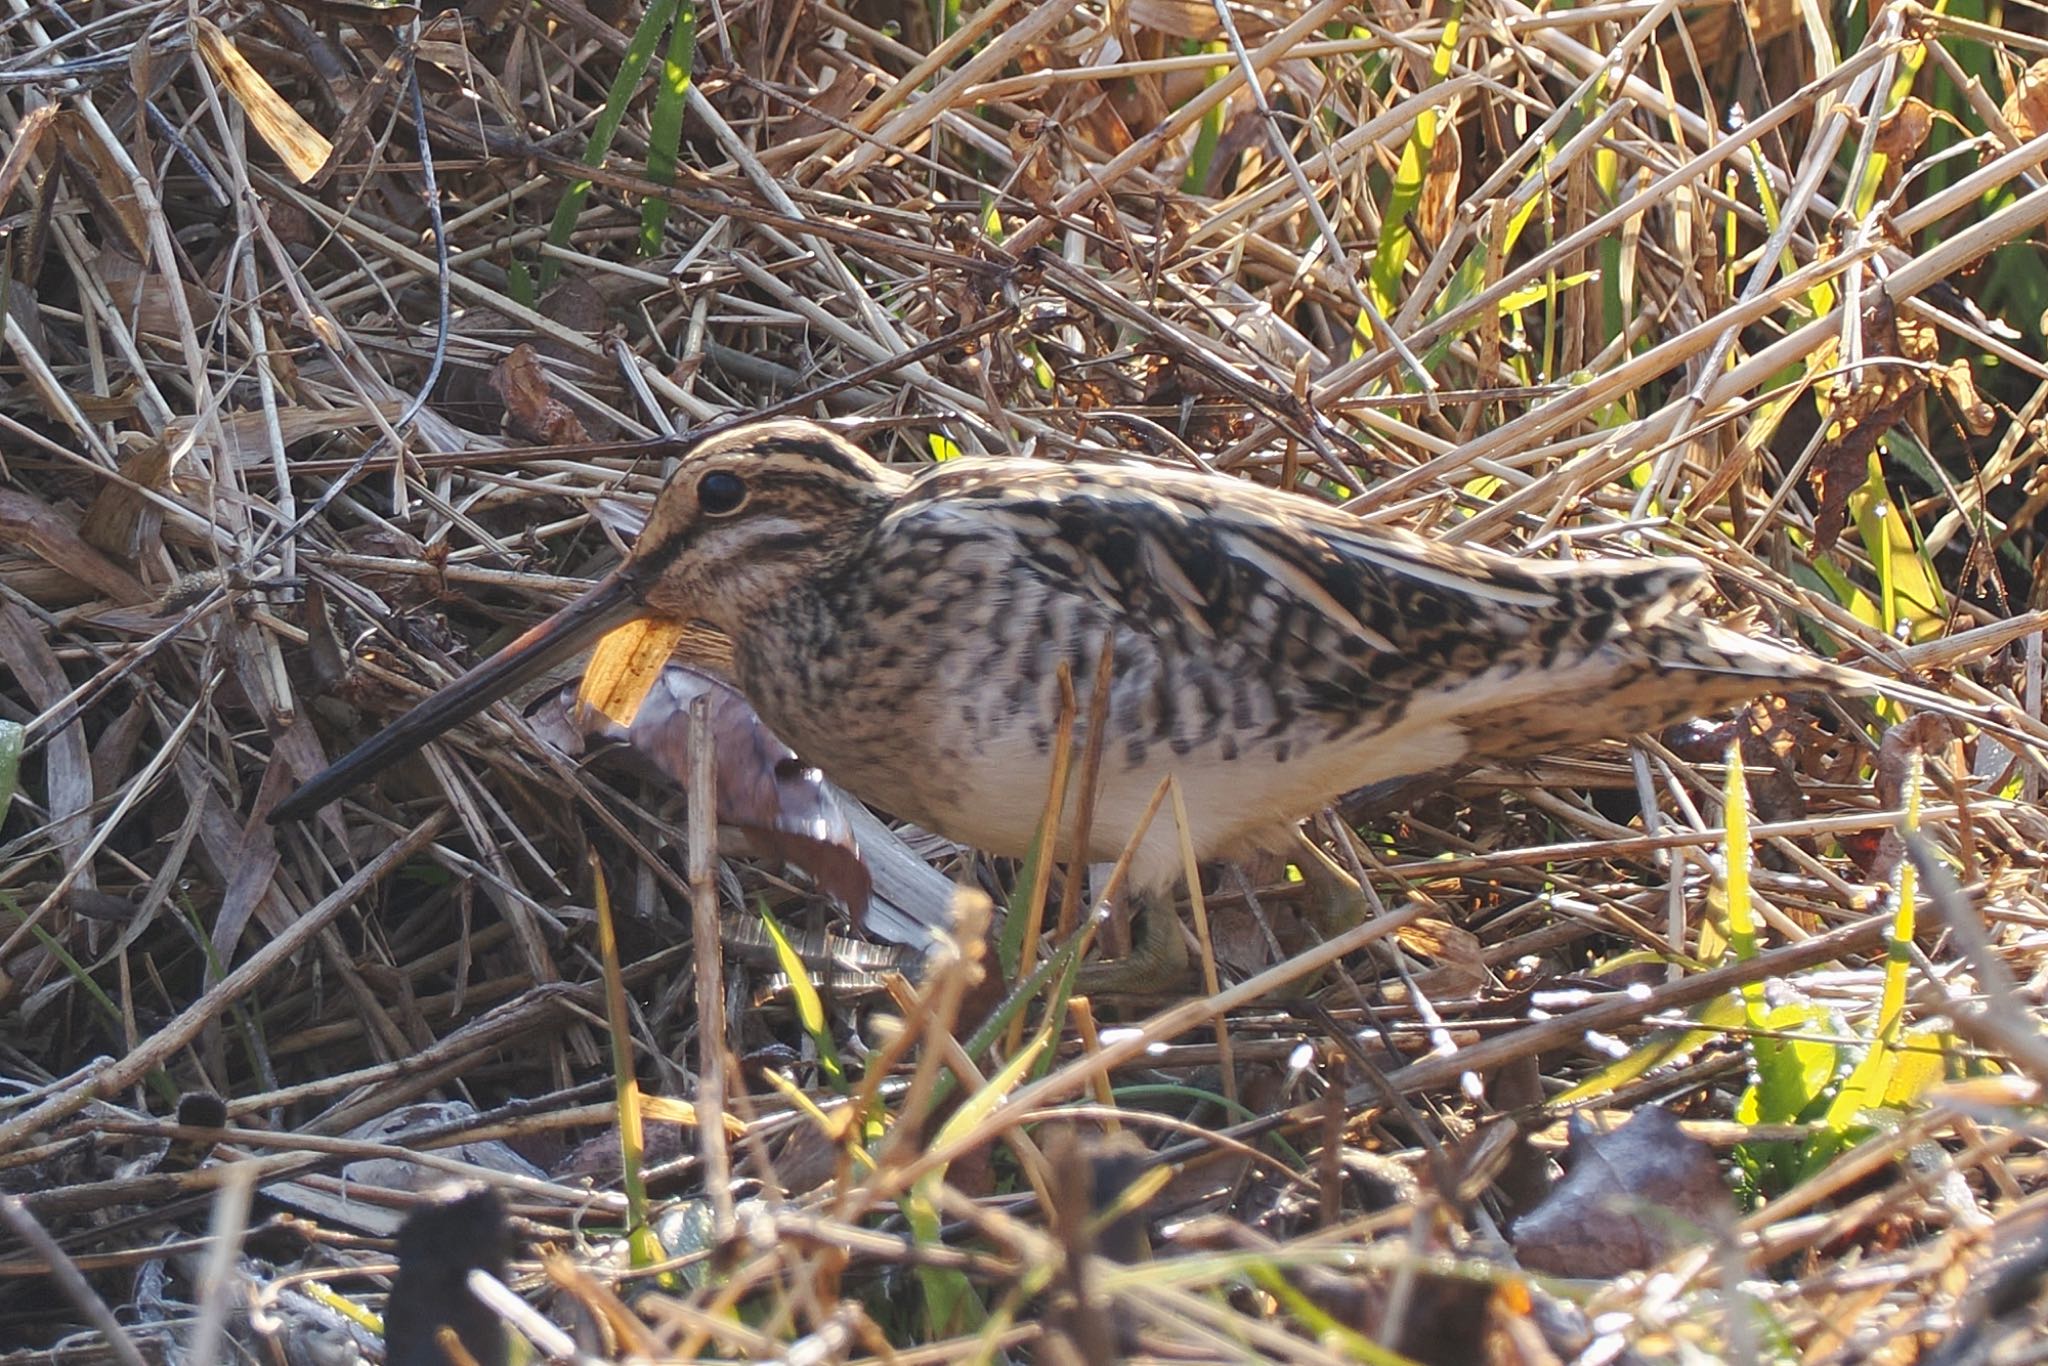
x=24, y=310
x=1878, y=858
x=327, y=662
x=625, y=665
x=829, y=106
x=121, y=521
x=1194, y=19
x=38, y=528
x=1103, y=125
x=1438, y=208
x=225, y=838
x=1626, y=1201
x=1241, y=153
x=243, y=435
x=579, y=305
x=1917, y=339
x=531, y=408
x=1460, y=960
x=1902, y=132
x=1977, y=416
x=1034, y=143
x=100, y=177
x=2026, y=108
x=1919, y=734
x=1197, y=19
x=28, y=141
x=143, y=294
x=250, y=869
x=113, y=753
x=1863, y=407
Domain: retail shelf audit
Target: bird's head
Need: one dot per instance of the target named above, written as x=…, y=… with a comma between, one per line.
x=751, y=514
x=747, y=516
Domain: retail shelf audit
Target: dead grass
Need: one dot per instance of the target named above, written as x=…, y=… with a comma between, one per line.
x=295, y=424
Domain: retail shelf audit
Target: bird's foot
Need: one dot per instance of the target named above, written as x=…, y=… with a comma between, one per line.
x=1157, y=964
x=1336, y=902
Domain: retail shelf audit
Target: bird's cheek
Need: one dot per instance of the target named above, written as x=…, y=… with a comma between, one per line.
x=675, y=597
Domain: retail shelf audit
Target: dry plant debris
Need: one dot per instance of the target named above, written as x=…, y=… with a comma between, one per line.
x=333, y=335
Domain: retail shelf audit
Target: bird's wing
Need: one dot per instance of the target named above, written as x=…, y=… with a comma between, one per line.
x=1203, y=557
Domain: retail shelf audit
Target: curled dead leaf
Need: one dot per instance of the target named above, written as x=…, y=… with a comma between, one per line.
x=2026, y=108
x=782, y=805
x=1459, y=957
x=531, y=408
x=1035, y=143
x=1923, y=733
x=1902, y=132
x=1864, y=405
x=1977, y=416
x=1629, y=1199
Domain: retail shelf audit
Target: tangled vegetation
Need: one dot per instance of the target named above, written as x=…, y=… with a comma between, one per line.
x=335, y=337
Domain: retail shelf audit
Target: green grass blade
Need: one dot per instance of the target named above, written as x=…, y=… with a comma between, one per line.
x=1733, y=879
x=632, y=66
x=1396, y=240
x=1207, y=135
x=1715, y=1018
x=665, y=127
x=643, y=1247
x=1870, y=1085
x=11, y=735
x=810, y=1007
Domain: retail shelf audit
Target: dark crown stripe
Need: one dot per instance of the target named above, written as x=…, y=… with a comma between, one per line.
x=820, y=450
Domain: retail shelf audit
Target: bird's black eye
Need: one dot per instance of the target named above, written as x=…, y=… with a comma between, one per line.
x=721, y=492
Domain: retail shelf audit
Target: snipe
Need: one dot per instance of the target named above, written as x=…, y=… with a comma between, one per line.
x=904, y=632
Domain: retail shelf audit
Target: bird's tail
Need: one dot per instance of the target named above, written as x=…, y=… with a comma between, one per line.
x=1730, y=664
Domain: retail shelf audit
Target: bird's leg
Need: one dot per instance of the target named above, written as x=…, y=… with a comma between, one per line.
x=1336, y=902
x=1157, y=963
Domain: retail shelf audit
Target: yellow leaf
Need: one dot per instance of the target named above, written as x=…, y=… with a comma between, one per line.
x=669, y=1110
x=301, y=147
x=978, y=1106
x=625, y=665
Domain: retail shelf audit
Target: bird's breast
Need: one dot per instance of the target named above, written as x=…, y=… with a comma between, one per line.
x=954, y=724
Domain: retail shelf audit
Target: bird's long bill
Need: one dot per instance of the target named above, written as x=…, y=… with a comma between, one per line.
x=609, y=604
